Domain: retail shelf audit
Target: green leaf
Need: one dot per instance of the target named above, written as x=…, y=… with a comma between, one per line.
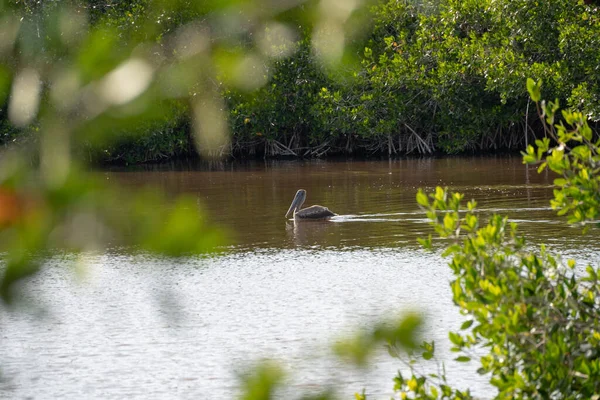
x=449, y=222
x=5, y=78
x=356, y=349
x=399, y=378
x=456, y=338
x=426, y=243
x=261, y=382
x=422, y=199
x=466, y=324
x=446, y=390
x=471, y=205
x=434, y=392
x=560, y=182
x=534, y=89
x=440, y=194
x=462, y=359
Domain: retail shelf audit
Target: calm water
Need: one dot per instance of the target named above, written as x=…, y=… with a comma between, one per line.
x=115, y=325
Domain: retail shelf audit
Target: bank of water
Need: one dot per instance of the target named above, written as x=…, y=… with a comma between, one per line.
x=117, y=325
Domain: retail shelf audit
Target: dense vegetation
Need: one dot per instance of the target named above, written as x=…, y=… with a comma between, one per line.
x=437, y=75
x=426, y=76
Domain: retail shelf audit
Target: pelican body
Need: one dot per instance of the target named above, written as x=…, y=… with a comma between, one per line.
x=312, y=213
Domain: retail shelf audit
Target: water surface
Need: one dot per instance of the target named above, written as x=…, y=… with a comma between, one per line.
x=133, y=326
x=375, y=200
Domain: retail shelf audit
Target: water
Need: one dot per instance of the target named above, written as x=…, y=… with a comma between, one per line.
x=117, y=325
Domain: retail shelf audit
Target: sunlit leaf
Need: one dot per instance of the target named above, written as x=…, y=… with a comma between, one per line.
x=534, y=89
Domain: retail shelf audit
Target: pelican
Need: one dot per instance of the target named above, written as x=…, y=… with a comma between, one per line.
x=311, y=213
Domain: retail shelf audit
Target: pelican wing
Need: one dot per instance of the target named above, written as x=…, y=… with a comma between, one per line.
x=315, y=212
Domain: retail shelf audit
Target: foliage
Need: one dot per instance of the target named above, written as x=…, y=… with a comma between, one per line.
x=262, y=381
x=399, y=341
x=439, y=75
x=81, y=213
x=153, y=139
x=575, y=158
x=397, y=334
x=426, y=386
x=78, y=76
x=538, y=318
x=277, y=118
x=449, y=74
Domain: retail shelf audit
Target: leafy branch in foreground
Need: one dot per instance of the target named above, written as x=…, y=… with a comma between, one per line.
x=574, y=156
x=538, y=318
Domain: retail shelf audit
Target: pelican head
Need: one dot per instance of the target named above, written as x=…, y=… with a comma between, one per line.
x=297, y=202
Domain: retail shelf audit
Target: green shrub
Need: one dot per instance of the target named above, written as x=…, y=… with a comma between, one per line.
x=277, y=119
x=537, y=317
x=166, y=136
x=455, y=70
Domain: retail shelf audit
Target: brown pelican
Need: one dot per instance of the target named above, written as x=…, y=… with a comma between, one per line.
x=308, y=214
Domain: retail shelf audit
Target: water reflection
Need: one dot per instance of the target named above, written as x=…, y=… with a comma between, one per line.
x=309, y=233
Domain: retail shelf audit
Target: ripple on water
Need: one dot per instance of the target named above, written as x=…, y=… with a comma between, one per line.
x=137, y=327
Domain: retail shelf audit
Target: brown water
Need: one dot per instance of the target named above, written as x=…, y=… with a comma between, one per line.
x=133, y=326
x=375, y=200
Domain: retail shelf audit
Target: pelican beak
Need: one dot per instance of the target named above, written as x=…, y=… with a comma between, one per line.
x=296, y=203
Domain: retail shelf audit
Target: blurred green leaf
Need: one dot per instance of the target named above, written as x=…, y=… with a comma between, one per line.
x=101, y=53
x=261, y=381
x=5, y=80
x=466, y=324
